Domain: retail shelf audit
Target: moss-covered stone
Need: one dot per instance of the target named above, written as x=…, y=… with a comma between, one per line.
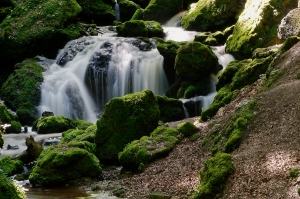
x=201, y=88
x=96, y=11
x=33, y=151
x=59, y=164
x=138, y=15
x=32, y=25
x=257, y=26
x=9, y=166
x=214, y=175
x=168, y=50
x=139, y=28
x=6, y=117
x=53, y=124
x=170, y=109
x=289, y=25
x=187, y=128
x=160, y=142
x=195, y=61
x=127, y=9
x=265, y=52
x=83, y=125
x=212, y=14
x=21, y=91
x=162, y=10
x=287, y=44
x=9, y=189
x=125, y=119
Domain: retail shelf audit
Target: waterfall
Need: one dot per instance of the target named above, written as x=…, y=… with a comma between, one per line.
x=117, y=11
x=90, y=71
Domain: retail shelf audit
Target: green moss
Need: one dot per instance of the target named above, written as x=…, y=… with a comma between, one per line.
x=294, y=172
x=233, y=141
x=160, y=142
x=250, y=73
x=59, y=164
x=53, y=124
x=139, y=28
x=190, y=92
x=36, y=22
x=195, y=61
x=9, y=189
x=259, y=30
x=21, y=90
x=94, y=11
x=214, y=175
x=162, y=10
x=70, y=135
x=138, y=15
x=287, y=44
x=127, y=9
x=125, y=119
x=9, y=166
x=83, y=125
x=187, y=128
x=170, y=109
x=211, y=15
x=6, y=117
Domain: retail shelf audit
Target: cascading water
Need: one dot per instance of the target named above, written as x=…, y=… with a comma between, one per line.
x=117, y=11
x=90, y=71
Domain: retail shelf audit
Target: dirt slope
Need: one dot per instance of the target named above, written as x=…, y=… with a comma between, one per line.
x=271, y=146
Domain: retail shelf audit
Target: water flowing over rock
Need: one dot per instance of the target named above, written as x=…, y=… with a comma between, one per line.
x=96, y=69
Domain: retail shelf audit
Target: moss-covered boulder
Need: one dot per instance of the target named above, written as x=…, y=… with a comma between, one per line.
x=168, y=50
x=162, y=10
x=212, y=14
x=125, y=119
x=139, y=28
x=6, y=117
x=21, y=91
x=195, y=61
x=127, y=9
x=214, y=175
x=9, y=189
x=96, y=11
x=32, y=25
x=170, y=109
x=59, y=164
x=160, y=142
x=83, y=125
x=214, y=38
x=287, y=44
x=187, y=128
x=33, y=151
x=200, y=88
x=9, y=166
x=53, y=124
x=257, y=26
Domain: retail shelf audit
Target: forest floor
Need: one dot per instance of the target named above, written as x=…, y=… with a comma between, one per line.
x=269, y=149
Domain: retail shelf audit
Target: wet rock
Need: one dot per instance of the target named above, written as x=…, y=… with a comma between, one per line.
x=32, y=152
x=11, y=147
x=47, y=114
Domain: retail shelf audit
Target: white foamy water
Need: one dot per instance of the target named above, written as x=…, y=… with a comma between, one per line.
x=65, y=91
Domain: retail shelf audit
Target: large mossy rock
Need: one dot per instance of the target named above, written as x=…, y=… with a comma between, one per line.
x=195, y=61
x=140, y=28
x=290, y=25
x=21, y=91
x=33, y=151
x=170, y=109
x=257, y=26
x=168, y=50
x=212, y=14
x=125, y=119
x=149, y=148
x=53, y=124
x=96, y=11
x=59, y=164
x=9, y=189
x=127, y=9
x=9, y=166
x=162, y=10
x=6, y=117
x=38, y=28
